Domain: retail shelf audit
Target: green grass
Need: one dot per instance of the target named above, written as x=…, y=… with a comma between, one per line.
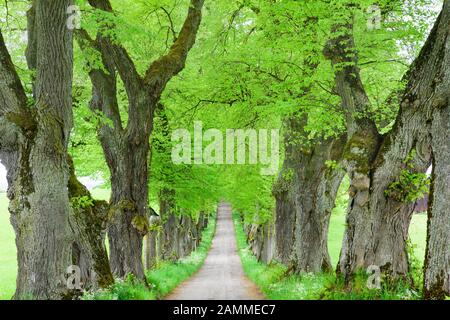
x=276, y=284
x=417, y=234
x=8, y=258
x=271, y=279
x=335, y=236
x=164, y=278
x=168, y=276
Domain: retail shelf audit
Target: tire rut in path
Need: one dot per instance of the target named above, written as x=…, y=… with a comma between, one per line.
x=221, y=277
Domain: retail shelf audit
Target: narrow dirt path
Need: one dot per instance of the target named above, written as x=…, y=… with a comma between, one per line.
x=221, y=277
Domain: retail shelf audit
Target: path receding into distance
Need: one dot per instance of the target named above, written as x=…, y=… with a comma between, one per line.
x=221, y=277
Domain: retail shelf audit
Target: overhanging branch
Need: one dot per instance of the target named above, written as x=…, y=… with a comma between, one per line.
x=169, y=65
x=13, y=99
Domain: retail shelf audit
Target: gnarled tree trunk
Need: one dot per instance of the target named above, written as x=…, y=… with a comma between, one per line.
x=378, y=217
x=126, y=156
x=36, y=161
x=437, y=257
x=126, y=149
x=88, y=220
x=305, y=192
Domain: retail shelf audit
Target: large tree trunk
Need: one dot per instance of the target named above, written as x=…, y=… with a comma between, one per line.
x=305, y=194
x=377, y=224
x=126, y=149
x=284, y=222
x=378, y=215
x=37, y=167
x=126, y=155
x=437, y=258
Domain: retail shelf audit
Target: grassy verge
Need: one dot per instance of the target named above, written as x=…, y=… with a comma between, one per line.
x=272, y=279
x=164, y=278
x=280, y=286
x=276, y=284
x=8, y=256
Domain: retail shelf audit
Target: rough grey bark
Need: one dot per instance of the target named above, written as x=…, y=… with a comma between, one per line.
x=126, y=149
x=170, y=222
x=152, y=246
x=437, y=258
x=128, y=224
x=36, y=160
x=176, y=237
x=285, y=223
x=377, y=224
x=88, y=220
x=261, y=239
x=305, y=195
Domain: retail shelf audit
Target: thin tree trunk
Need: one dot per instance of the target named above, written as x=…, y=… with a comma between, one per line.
x=262, y=241
x=170, y=222
x=152, y=242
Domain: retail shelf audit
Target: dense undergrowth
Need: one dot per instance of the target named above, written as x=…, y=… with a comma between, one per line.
x=165, y=277
x=277, y=283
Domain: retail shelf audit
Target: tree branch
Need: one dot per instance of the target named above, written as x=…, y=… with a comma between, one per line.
x=104, y=97
x=13, y=99
x=169, y=65
x=172, y=28
x=342, y=53
x=122, y=60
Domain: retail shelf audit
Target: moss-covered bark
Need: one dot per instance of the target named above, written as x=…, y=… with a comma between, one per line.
x=305, y=194
x=88, y=220
x=126, y=149
x=437, y=257
x=377, y=224
x=36, y=159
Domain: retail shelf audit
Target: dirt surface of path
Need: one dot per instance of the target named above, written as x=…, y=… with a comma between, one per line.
x=221, y=277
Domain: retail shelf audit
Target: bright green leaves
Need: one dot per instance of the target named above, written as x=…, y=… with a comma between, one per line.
x=410, y=186
x=82, y=202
